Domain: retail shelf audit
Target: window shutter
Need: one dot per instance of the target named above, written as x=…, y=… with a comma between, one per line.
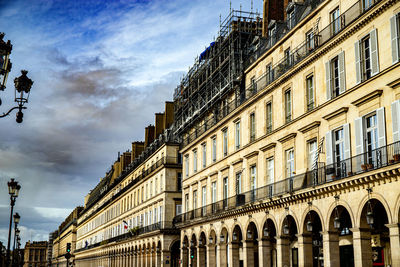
x=394, y=37
x=395, y=120
x=328, y=145
x=380, y=114
x=342, y=76
x=328, y=81
x=359, y=135
x=358, y=63
x=374, y=52
x=347, y=148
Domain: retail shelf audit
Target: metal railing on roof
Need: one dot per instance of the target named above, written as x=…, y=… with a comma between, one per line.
x=362, y=163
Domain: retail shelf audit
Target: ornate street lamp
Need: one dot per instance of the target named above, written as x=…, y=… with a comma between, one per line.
x=5, y=64
x=234, y=236
x=266, y=232
x=336, y=220
x=286, y=229
x=309, y=224
x=249, y=234
x=13, y=190
x=222, y=238
x=370, y=213
x=22, y=91
x=211, y=240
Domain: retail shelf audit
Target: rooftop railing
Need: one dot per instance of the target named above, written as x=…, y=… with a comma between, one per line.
x=283, y=66
x=365, y=162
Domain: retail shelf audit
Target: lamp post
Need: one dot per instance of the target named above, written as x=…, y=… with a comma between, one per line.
x=22, y=84
x=16, y=235
x=13, y=190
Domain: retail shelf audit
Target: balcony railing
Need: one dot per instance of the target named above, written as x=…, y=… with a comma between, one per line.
x=134, y=232
x=283, y=66
x=362, y=163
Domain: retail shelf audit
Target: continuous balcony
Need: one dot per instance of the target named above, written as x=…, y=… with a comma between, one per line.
x=297, y=55
x=323, y=175
x=163, y=226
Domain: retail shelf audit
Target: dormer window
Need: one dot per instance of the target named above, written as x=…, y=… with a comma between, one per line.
x=272, y=32
x=291, y=20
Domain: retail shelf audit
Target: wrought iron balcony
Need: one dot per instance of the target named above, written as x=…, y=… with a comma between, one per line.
x=368, y=161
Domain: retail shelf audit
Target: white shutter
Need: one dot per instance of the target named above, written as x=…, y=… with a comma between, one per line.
x=395, y=38
x=395, y=120
x=347, y=148
x=342, y=76
x=358, y=62
x=359, y=134
x=374, y=52
x=328, y=81
x=380, y=114
x=328, y=144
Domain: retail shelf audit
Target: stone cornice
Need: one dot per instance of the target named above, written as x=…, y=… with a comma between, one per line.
x=268, y=147
x=251, y=154
x=310, y=126
x=336, y=113
x=287, y=137
x=367, y=98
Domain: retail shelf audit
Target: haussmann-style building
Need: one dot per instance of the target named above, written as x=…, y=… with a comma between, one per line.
x=295, y=161
x=128, y=217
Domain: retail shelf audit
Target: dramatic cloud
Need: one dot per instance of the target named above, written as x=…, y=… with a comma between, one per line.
x=101, y=69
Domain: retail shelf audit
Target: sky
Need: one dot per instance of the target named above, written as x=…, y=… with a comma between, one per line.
x=101, y=69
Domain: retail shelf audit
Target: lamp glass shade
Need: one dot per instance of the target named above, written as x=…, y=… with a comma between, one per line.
x=370, y=218
x=336, y=222
x=16, y=218
x=11, y=187
x=222, y=238
x=201, y=242
x=210, y=240
x=266, y=232
x=286, y=229
x=234, y=236
x=191, y=243
x=249, y=234
x=309, y=226
x=17, y=188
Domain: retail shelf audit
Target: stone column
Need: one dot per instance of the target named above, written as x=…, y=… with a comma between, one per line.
x=330, y=241
x=394, y=234
x=282, y=251
x=221, y=251
x=153, y=258
x=211, y=256
x=248, y=253
x=305, y=250
x=264, y=252
x=234, y=257
x=184, y=257
x=362, y=247
x=158, y=258
x=201, y=252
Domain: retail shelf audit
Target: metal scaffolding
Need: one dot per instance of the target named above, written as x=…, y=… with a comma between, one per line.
x=217, y=76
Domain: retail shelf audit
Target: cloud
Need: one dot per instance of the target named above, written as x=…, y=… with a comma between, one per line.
x=101, y=69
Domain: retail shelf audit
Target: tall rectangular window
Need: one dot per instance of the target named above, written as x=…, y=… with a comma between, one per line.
x=225, y=184
x=269, y=117
x=195, y=160
x=310, y=41
x=204, y=156
x=371, y=140
x=291, y=19
x=366, y=58
x=366, y=4
x=335, y=85
x=237, y=135
x=310, y=92
x=270, y=74
x=270, y=171
x=252, y=127
x=312, y=151
x=179, y=181
x=225, y=142
x=338, y=136
x=214, y=148
x=335, y=21
x=178, y=209
x=395, y=37
x=151, y=188
x=195, y=199
x=186, y=165
x=253, y=84
x=214, y=192
x=289, y=163
x=186, y=202
x=288, y=106
x=288, y=57
x=204, y=196
x=238, y=183
x=253, y=177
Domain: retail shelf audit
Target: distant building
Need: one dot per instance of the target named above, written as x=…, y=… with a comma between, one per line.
x=65, y=234
x=35, y=254
x=3, y=251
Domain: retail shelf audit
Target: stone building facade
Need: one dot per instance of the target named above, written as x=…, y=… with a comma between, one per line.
x=35, y=254
x=305, y=170
x=65, y=234
x=127, y=219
